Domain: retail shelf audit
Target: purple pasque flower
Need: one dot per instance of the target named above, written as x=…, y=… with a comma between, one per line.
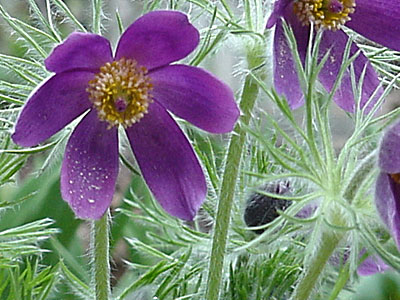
x=133, y=88
x=387, y=191
x=377, y=20
x=371, y=265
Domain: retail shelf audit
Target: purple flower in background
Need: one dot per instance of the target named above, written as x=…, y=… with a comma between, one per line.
x=134, y=88
x=387, y=192
x=377, y=20
x=372, y=265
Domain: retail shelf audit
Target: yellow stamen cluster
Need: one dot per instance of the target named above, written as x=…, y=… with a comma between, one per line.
x=329, y=14
x=121, y=92
x=396, y=177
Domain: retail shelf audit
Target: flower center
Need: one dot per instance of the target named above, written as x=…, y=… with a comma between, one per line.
x=329, y=14
x=396, y=177
x=121, y=92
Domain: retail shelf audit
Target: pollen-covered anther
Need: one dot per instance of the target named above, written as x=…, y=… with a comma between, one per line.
x=328, y=14
x=121, y=92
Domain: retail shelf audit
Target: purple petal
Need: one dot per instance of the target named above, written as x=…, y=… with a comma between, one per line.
x=308, y=210
x=336, y=42
x=383, y=197
x=90, y=168
x=378, y=20
x=196, y=96
x=168, y=163
x=285, y=75
x=79, y=51
x=387, y=200
x=279, y=8
x=389, y=153
x=372, y=265
x=158, y=38
x=53, y=105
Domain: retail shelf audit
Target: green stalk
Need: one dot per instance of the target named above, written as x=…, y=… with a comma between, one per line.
x=248, y=98
x=344, y=276
x=96, y=23
x=328, y=243
x=101, y=263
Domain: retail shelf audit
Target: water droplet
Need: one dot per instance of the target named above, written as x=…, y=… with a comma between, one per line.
x=91, y=200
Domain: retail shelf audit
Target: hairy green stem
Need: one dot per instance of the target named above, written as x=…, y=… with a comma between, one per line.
x=96, y=16
x=248, y=98
x=364, y=168
x=344, y=276
x=328, y=243
x=101, y=262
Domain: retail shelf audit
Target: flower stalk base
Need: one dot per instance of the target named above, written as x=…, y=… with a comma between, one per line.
x=248, y=99
x=328, y=243
x=101, y=263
